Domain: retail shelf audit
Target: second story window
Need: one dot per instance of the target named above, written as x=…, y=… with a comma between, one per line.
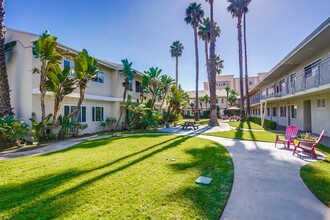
x=138, y=87
x=312, y=69
x=250, y=83
x=99, y=78
x=71, y=65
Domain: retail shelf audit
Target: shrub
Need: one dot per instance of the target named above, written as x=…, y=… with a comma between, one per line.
x=12, y=130
x=109, y=121
x=268, y=124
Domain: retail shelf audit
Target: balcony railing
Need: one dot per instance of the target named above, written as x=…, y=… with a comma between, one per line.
x=314, y=76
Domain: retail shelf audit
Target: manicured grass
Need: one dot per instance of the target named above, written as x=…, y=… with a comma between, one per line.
x=204, y=121
x=317, y=176
x=246, y=124
x=246, y=135
x=138, y=177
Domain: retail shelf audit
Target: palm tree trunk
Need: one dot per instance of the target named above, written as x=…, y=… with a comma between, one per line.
x=212, y=81
x=176, y=71
x=56, y=110
x=239, y=38
x=207, y=60
x=161, y=105
x=121, y=110
x=42, y=88
x=247, y=95
x=5, y=106
x=197, y=73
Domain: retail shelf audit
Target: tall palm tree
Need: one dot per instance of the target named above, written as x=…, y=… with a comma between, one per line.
x=176, y=51
x=247, y=95
x=194, y=15
x=128, y=78
x=236, y=8
x=212, y=82
x=227, y=93
x=204, y=34
x=5, y=106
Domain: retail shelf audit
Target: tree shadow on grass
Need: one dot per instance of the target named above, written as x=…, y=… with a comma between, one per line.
x=215, y=162
x=50, y=206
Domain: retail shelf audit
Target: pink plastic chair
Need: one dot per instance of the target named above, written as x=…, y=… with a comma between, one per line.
x=308, y=145
x=290, y=134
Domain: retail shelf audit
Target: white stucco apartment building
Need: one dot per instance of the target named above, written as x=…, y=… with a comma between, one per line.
x=297, y=90
x=102, y=98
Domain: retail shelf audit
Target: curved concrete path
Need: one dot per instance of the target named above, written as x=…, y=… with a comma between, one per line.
x=267, y=183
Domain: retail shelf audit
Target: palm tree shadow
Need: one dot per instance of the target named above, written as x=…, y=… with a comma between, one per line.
x=22, y=196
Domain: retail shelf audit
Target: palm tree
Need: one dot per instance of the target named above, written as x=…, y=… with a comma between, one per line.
x=86, y=69
x=194, y=14
x=128, y=78
x=227, y=91
x=232, y=97
x=247, y=95
x=218, y=64
x=176, y=51
x=204, y=34
x=212, y=81
x=236, y=8
x=61, y=85
x=45, y=48
x=167, y=82
x=206, y=100
x=5, y=106
x=201, y=100
x=150, y=81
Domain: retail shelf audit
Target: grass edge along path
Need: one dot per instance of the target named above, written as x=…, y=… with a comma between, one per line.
x=316, y=175
x=143, y=176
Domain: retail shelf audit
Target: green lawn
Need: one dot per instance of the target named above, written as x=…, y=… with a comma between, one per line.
x=317, y=176
x=246, y=124
x=140, y=177
x=246, y=135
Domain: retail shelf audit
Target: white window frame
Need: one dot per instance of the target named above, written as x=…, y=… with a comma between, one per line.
x=94, y=113
x=75, y=105
x=291, y=111
x=97, y=78
x=71, y=73
x=317, y=107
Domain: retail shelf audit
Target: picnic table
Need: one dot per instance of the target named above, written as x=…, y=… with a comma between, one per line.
x=234, y=118
x=190, y=124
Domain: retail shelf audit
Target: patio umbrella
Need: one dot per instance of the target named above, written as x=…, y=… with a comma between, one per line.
x=233, y=108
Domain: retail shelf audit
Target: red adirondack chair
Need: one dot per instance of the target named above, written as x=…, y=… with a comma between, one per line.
x=308, y=145
x=290, y=133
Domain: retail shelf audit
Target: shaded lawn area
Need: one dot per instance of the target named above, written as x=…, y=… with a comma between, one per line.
x=317, y=176
x=246, y=135
x=140, y=177
x=246, y=124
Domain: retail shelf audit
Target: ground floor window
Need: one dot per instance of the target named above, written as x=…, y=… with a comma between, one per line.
x=268, y=111
x=294, y=111
x=274, y=111
x=283, y=111
x=97, y=113
x=80, y=117
x=320, y=103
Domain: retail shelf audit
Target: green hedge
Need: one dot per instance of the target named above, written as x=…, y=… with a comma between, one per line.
x=268, y=124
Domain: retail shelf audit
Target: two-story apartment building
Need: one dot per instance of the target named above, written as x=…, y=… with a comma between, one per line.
x=222, y=81
x=297, y=90
x=103, y=94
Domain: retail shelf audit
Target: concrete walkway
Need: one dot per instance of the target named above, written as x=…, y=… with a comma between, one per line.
x=50, y=148
x=267, y=183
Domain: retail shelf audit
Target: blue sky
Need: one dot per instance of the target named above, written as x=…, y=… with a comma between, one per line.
x=143, y=30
